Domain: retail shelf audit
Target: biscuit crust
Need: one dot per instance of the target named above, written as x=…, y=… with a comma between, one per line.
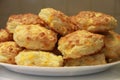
x=112, y=46
x=57, y=21
x=23, y=19
x=35, y=37
x=38, y=58
x=80, y=43
x=96, y=59
x=8, y=51
x=94, y=21
x=5, y=35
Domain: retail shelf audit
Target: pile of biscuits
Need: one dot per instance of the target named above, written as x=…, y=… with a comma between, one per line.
x=53, y=39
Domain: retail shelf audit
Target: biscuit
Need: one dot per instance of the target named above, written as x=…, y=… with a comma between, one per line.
x=112, y=46
x=95, y=59
x=35, y=37
x=57, y=21
x=94, y=21
x=8, y=51
x=80, y=43
x=38, y=58
x=23, y=19
x=5, y=35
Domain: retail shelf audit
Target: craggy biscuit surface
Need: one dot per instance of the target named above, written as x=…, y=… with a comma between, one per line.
x=112, y=46
x=22, y=19
x=96, y=59
x=38, y=58
x=80, y=43
x=35, y=37
x=57, y=21
x=5, y=35
x=8, y=51
x=94, y=21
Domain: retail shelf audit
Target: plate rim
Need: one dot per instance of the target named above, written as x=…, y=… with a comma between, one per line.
x=102, y=65
x=58, y=71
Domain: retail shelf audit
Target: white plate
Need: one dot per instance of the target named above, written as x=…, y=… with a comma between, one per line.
x=58, y=71
x=3, y=78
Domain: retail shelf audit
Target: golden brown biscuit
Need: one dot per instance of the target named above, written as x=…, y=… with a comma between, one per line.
x=94, y=21
x=96, y=59
x=80, y=43
x=8, y=51
x=112, y=46
x=35, y=37
x=57, y=21
x=24, y=19
x=38, y=58
x=5, y=35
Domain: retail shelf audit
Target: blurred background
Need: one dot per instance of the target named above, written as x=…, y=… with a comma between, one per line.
x=69, y=7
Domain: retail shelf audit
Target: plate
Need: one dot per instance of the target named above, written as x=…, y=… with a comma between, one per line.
x=58, y=71
x=3, y=78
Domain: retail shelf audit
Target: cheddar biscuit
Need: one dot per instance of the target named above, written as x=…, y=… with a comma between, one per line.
x=22, y=19
x=35, y=37
x=5, y=35
x=38, y=58
x=8, y=51
x=80, y=43
x=57, y=21
x=112, y=46
x=94, y=21
x=89, y=60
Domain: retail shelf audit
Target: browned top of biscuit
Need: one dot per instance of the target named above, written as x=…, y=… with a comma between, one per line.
x=5, y=35
x=57, y=21
x=28, y=18
x=80, y=43
x=95, y=18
